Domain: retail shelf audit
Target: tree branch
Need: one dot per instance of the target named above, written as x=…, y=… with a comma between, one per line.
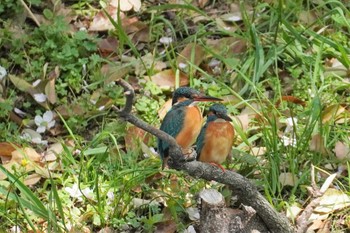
x=241, y=186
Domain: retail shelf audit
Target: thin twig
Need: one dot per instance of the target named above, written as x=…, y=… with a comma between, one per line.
x=32, y=16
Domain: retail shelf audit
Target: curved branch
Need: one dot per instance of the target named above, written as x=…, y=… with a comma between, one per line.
x=241, y=186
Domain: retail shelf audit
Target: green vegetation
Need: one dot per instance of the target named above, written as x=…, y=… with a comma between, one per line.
x=281, y=66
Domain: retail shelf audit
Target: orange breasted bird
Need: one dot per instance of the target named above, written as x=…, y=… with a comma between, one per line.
x=183, y=121
x=215, y=140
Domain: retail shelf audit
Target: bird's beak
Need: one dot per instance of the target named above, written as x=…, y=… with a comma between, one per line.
x=206, y=98
x=225, y=117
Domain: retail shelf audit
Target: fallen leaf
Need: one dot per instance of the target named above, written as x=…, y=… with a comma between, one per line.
x=228, y=46
x=11, y=167
x=32, y=179
x=342, y=150
x=42, y=171
x=127, y=5
x=293, y=211
x=333, y=200
x=335, y=67
x=202, y=3
x=332, y=112
x=258, y=151
x=192, y=53
x=50, y=91
x=113, y=72
x=52, y=151
x=244, y=121
x=27, y=153
x=317, y=224
x=287, y=178
x=166, y=227
x=108, y=46
x=166, y=79
x=308, y=17
x=69, y=110
x=133, y=136
x=101, y=22
x=21, y=84
x=6, y=148
x=317, y=144
x=164, y=109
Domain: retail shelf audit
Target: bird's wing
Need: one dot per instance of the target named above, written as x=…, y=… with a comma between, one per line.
x=172, y=125
x=200, y=140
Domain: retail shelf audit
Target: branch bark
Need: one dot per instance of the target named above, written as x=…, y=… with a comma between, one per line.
x=241, y=186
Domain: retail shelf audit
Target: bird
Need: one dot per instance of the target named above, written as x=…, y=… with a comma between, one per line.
x=215, y=139
x=183, y=121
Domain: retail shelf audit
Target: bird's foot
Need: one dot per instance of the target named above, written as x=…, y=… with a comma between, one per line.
x=218, y=165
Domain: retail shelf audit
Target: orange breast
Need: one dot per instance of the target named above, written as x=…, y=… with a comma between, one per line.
x=191, y=128
x=218, y=142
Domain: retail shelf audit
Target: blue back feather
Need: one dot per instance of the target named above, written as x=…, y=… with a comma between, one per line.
x=172, y=125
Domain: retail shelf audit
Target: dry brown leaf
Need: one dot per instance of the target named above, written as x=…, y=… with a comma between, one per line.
x=114, y=72
x=288, y=178
x=335, y=67
x=244, y=121
x=293, y=211
x=342, y=150
x=258, y=151
x=166, y=227
x=42, y=171
x=25, y=154
x=50, y=91
x=164, y=109
x=333, y=200
x=32, y=179
x=10, y=166
x=102, y=23
x=317, y=144
x=166, y=79
x=202, y=3
x=332, y=112
x=190, y=50
x=308, y=17
x=73, y=109
x=127, y=5
x=6, y=149
x=316, y=224
x=133, y=137
x=52, y=151
x=108, y=46
x=228, y=46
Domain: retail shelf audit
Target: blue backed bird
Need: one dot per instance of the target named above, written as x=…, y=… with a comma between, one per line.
x=215, y=139
x=183, y=121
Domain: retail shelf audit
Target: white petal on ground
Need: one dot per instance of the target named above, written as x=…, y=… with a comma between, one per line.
x=48, y=116
x=291, y=122
x=51, y=124
x=20, y=112
x=73, y=191
x=38, y=120
x=166, y=40
x=40, y=97
x=41, y=129
x=3, y=73
x=88, y=193
x=36, y=82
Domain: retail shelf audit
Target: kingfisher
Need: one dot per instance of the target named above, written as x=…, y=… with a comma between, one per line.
x=215, y=139
x=183, y=121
